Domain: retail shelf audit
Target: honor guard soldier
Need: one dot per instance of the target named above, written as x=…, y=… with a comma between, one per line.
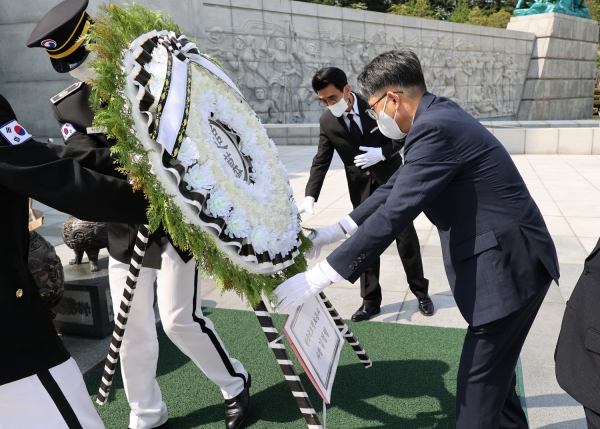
x=61, y=33
x=40, y=384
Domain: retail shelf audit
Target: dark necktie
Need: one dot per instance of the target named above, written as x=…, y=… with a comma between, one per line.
x=354, y=129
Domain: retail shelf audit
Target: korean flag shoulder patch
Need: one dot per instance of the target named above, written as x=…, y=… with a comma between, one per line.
x=14, y=133
x=67, y=130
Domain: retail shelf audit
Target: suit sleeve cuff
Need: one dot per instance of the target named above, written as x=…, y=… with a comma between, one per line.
x=349, y=225
x=330, y=272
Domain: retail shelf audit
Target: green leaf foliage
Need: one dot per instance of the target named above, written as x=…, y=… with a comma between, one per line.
x=114, y=29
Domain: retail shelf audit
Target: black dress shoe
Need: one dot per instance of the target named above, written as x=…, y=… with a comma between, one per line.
x=426, y=306
x=365, y=312
x=236, y=408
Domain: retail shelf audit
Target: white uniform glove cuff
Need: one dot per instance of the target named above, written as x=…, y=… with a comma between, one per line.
x=331, y=274
x=349, y=225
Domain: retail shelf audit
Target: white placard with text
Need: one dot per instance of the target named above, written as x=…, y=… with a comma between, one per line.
x=317, y=342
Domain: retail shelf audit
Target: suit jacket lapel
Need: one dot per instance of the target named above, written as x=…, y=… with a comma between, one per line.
x=346, y=132
x=368, y=123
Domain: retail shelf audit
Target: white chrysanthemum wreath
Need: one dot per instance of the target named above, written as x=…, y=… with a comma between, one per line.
x=245, y=200
x=142, y=97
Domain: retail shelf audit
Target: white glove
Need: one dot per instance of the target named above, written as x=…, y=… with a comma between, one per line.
x=307, y=205
x=372, y=156
x=300, y=288
x=323, y=237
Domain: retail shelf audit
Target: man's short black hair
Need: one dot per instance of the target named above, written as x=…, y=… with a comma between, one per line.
x=329, y=75
x=392, y=69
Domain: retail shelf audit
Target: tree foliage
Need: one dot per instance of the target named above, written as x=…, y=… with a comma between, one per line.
x=491, y=13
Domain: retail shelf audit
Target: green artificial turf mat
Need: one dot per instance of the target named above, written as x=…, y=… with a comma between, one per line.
x=412, y=383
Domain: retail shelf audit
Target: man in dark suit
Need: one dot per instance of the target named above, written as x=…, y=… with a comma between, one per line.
x=499, y=257
x=370, y=159
x=578, y=349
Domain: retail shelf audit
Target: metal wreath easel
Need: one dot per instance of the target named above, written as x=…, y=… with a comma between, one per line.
x=264, y=318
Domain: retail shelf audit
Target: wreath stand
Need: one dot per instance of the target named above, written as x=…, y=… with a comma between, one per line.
x=287, y=366
x=264, y=318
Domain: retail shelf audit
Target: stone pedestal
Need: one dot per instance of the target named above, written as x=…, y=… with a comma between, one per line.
x=560, y=79
x=86, y=305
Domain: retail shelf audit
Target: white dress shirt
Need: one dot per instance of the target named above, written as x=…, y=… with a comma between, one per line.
x=356, y=114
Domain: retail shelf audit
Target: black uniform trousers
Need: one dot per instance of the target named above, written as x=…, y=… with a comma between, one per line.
x=486, y=373
x=409, y=250
x=593, y=418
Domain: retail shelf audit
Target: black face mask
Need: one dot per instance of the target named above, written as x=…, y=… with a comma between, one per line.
x=65, y=65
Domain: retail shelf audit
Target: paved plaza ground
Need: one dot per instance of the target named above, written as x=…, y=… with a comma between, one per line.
x=567, y=191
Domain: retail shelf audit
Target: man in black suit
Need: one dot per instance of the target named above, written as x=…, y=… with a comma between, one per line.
x=498, y=254
x=578, y=350
x=370, y=159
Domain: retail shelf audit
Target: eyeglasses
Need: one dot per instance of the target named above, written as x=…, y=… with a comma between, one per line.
x=370, y=110
x=326, y=102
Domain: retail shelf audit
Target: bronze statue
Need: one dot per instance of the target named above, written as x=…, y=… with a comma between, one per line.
x=83, y=236
x=566, y=7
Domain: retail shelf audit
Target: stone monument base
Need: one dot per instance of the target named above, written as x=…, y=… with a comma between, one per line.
x=562, y=70
x=86, y=305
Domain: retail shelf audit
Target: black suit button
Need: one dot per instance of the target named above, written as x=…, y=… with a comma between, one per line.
x=351, y=267
x=586, y=271
x=368, y=173
x=362, y=256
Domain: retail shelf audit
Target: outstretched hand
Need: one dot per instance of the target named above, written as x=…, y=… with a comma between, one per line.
x=324, y=236
x=297, y=290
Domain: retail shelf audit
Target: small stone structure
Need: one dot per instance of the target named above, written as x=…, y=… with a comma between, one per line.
x=562, y=71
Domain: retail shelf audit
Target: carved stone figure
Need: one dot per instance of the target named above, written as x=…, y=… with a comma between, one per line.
x=498, y=71
x=509, y=78
x=449, y=77
x=264, y=108
x=310, y=64
x=282, y=63
x=461, y=79
x=488, y=76
x=231, y=57
x=83, y=236
x=47, y=270
x=357, y=58
x=481, y=104
x=253, y=75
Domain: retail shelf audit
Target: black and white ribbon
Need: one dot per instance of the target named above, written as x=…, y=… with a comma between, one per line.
x=162, y=132
x=121, y=320
x=287, y=367
x=347, y=333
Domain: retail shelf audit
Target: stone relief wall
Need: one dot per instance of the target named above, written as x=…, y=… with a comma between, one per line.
x=273, y=54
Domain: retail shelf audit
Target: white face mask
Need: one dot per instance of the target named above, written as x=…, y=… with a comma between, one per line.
x=340, y=107
x=388, y=126
x=82, y=72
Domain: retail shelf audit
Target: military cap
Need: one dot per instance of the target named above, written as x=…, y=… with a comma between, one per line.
x=60, y=32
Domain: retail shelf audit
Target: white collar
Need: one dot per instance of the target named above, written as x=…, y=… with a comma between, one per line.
x=354, y=110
